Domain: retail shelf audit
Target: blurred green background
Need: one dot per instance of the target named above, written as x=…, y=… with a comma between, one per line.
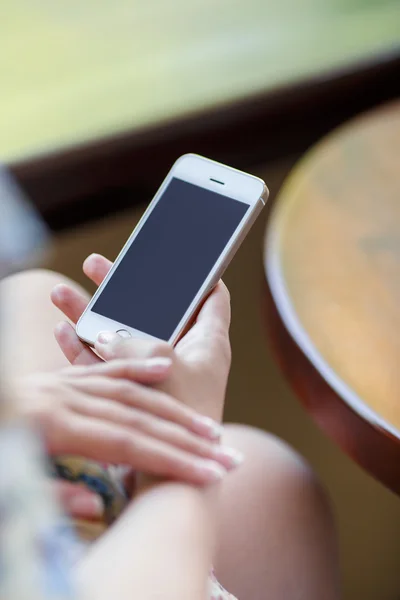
x=77, y=72
x=73, y=71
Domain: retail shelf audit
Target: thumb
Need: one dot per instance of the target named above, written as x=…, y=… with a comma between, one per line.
x=110, y=345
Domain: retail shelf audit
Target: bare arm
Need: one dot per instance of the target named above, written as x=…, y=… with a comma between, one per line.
x=159, y=548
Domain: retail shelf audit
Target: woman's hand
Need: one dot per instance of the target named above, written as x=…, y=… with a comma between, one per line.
x=202, y=357
x=77, y=501
x=101, y=412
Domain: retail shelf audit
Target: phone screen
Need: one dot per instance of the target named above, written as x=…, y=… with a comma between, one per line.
x=170, y=258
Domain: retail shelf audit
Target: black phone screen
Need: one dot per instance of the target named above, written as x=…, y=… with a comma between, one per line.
x=170, y=258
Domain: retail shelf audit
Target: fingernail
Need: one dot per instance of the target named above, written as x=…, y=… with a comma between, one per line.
x=105, y=337
x=229, y=457
x=55, y=292
x=159, y=365
x=91, y=257
x=210, y=471
x=207, y=427
x=86, y=505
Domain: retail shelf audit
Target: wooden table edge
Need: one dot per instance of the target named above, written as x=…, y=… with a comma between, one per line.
x=358, y=430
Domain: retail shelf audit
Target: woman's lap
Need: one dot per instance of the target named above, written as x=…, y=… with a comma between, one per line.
x=276, y=537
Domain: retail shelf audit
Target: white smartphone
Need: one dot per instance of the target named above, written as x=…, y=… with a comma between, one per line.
x=177, y=253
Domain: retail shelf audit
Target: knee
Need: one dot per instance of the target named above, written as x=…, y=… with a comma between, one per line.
x=273, y=469
x=265, y=448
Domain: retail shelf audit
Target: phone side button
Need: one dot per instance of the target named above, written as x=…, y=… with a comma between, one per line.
x=124, y=333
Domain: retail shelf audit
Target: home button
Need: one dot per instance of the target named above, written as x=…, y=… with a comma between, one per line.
x=124, y=333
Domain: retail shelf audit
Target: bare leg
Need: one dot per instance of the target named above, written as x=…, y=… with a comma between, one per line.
x=276, y=537
x=27, y=343
x=276, y=533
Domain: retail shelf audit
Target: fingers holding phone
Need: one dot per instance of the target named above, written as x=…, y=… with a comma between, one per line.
x=203, y=352
x=175, y=256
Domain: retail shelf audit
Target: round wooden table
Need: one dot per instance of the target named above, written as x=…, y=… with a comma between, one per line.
x=332, y=259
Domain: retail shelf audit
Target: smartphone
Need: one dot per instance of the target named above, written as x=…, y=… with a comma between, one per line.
x=177, y=253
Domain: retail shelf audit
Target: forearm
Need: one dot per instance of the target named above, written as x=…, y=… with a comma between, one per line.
x=207, y=407
x=159, y=548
